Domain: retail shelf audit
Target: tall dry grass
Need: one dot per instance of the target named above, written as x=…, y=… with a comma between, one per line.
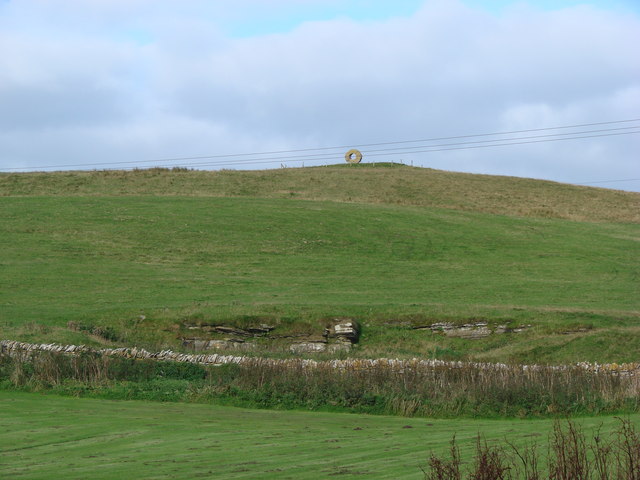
x=409, y=388
x=570, y=456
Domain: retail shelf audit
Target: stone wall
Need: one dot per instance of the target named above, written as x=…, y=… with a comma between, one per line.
x=22, y=349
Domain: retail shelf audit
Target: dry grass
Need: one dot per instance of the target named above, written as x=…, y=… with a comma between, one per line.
x=571, y=456
x=407, y=388
x=364, y=183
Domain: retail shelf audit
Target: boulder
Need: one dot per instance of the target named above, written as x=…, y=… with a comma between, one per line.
x=344, y=330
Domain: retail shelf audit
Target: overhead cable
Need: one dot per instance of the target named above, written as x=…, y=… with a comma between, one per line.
x=319, y=156
x=296, y=159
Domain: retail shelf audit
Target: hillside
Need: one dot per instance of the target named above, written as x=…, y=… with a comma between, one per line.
x=365, y=183
x=138, y=258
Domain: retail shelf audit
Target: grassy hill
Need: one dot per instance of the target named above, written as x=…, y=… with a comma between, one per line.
x=141, y=253
x=381, y=183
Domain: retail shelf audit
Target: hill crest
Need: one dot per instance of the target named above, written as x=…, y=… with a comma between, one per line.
x=366, y=183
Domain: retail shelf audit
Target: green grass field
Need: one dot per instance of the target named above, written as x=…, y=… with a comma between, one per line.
x=45, y=436
x=92, y=256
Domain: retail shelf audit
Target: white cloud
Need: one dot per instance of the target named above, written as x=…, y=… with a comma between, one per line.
x=115, y=81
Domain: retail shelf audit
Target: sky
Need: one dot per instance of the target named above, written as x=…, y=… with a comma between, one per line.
x=95, y=84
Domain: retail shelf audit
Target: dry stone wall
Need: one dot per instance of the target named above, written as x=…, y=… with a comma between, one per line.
x=22, y=349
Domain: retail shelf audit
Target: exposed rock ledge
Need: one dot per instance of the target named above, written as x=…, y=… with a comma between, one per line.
x=338, y=336
x=471, y=330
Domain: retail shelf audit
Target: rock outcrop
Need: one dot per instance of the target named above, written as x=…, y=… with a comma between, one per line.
x=470, y=330
x=339, y=335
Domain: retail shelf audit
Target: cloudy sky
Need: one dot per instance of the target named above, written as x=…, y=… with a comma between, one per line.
x=125, y=83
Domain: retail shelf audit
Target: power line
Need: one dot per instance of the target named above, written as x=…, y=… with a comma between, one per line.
x=370, y=153
x=390, y=151
x=502, y=139
x=513, y=143
x=610, y=181
x=296, y=159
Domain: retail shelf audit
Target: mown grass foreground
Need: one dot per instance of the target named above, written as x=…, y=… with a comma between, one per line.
x=48, y=436
x=140, y=253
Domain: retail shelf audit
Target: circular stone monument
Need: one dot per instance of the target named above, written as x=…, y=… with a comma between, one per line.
x=353, y=156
